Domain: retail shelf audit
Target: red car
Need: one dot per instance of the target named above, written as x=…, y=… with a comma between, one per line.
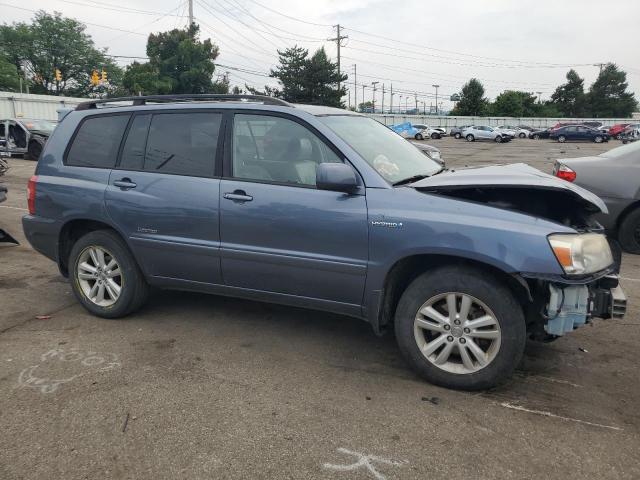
x=617, y=129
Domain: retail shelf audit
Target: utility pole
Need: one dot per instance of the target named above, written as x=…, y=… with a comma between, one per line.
x=436, y=87
x=424, y=108
x=337, y=39
x=539, y=97
x=349, y=93
x=415, y=97
x=382, y=107
x=601, y=65
x=190, y=13
x=391, y=102
x=400, y=104
x=355, y=87
x=373, y=103
x=363, y=86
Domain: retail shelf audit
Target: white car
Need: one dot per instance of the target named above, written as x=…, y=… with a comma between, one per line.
x=484, y=132
x=427, y=132
x=515, y=131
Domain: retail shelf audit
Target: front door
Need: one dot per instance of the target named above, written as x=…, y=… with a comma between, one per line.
x=163, y=195
x=279, y=233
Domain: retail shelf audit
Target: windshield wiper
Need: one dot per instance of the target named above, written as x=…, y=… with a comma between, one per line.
x=412, y=179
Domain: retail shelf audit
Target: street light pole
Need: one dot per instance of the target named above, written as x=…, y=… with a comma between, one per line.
x=373, y=102
x=436, y=87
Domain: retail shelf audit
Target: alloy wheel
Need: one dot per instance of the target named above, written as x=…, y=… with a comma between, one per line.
x=99, y=276
x=457, y=333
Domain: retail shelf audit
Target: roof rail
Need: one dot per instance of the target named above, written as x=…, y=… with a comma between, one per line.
x=142, y=100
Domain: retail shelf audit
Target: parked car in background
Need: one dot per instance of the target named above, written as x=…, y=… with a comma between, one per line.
x=484, y=132
x=21, y=136
x=320, y=208
x=527, y=127
x=430, y=151
x=592, y=124
x=578, y=133
x=456, y=132
x=506, y=131
x=540, y=134
x=615, y=177
x=631, y=133
x=427, y=131
x=616, y=130
x=515, y=131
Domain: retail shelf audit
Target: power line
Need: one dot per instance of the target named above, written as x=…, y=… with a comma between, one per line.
x=290, y=17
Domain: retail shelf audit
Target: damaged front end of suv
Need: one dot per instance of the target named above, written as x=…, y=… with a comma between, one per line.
x=586, y=285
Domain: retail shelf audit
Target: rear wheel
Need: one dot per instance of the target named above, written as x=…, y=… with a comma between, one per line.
x=522, y=135
x=536, y=137
x=33, y=151
x=104, y=275
x=457, y=136
x=562, y=139
x=460, y=328
x=419, y=136
x=629, y=232
x=470, y=138
x=435, y=135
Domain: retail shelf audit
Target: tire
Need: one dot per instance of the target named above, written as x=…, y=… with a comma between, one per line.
x=629, y=232
x=502, y=307
x=598, y=139
x=522, y=135
x=498, y=139
x=419, y=136
x=133, y=288
x=33, y=151
x=618, y=137
x=536, y=137
x=435, y=136
x=457, y=136
x=562, y=139
x=470, y=138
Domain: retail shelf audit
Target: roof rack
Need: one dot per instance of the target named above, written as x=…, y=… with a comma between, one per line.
x=142, y=100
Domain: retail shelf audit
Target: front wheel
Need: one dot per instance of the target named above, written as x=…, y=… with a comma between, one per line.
x=522, y=135
x=457, y=136
x=34, y=150
x=498, y=139
x=598, y=139
x=470, y=138
x=435, y=136
x=629, y=232
x=419, y=136
x=460, y=328
x=536, y=137
x=105, y=277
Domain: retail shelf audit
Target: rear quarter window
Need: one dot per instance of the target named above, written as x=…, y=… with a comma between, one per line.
x=97, y=141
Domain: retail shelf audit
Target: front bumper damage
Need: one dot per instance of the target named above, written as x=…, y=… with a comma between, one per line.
x=560, y=307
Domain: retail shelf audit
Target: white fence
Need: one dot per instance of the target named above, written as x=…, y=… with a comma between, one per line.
x=44, y=107
x=36, y=107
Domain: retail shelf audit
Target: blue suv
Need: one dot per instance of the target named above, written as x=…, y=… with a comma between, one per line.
x=319, y=208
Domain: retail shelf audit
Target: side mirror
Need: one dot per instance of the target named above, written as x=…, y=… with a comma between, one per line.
x=337, y=177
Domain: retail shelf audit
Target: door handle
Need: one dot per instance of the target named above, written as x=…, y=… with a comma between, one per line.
x=125, y=184
x=238, y=196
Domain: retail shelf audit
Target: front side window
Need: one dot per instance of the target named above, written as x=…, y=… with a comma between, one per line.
x=97, y=141
x=275, y=149
x=393, y=157
x=180, y=143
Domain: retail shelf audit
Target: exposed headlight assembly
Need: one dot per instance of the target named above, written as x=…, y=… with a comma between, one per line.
x=581, y=253
x=435, y=155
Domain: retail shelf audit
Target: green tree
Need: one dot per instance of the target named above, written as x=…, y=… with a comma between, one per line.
x=290, y=73
x=472, y=101
x=569, y=98
x=513, y=103
x=608, y=96
x=9, y=76
x=178, y=63
x=365, y=106
x=50, y=43
x=320, y=81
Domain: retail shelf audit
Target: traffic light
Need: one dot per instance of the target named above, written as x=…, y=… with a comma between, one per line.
x=95, y=78
x=104, y=76
x=58, y=74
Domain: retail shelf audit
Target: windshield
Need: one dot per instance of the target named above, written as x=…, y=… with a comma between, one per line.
x=387, y=152
x=42, y=125
x=623, y=150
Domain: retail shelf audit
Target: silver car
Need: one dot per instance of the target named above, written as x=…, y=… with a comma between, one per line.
x=615, y=177
x=483, y=132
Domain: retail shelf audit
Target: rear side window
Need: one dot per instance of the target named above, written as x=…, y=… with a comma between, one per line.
x=133, y=151
x=183, y=144
x=97, y=141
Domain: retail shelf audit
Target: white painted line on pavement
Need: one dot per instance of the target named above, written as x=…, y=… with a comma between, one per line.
x=630, y=279
x=553, y=415
x=14, y=208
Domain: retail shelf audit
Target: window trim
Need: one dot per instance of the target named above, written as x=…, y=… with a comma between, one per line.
x=65, y=155
x=227, y=170
x=217, y=160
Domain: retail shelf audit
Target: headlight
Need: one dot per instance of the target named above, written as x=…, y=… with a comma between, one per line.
x=581, y=254
x=435, y=155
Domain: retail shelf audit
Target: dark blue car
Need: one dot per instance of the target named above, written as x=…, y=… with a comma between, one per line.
x=578, y=133
x=320, y=208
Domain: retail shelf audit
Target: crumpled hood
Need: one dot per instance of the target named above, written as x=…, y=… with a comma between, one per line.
x=517, y=175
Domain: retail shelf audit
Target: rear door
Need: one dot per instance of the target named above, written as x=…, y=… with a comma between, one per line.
x=164, y=194
x=279, y=233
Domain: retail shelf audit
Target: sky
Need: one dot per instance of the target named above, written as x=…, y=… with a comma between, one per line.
x=406, y=45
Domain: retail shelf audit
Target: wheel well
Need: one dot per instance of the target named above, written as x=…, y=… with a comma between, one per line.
x=70, y=234
x=406, y=270
x=630, y=208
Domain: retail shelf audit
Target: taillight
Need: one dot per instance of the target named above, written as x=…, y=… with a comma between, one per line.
x=565, y=173
x=31, y=194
